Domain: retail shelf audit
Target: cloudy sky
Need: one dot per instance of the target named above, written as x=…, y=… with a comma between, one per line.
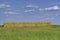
x=30, y=11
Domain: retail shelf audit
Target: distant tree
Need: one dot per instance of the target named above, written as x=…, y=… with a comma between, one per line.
x=1, y=25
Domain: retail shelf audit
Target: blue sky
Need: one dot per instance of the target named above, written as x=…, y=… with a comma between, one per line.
x=30, y=11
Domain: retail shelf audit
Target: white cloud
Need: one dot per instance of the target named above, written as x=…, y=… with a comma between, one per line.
x=32, y=6
x=10, y=12
x=56, y=7
x=7, y=15
x=5, y=5
x=49, y=18
x=29, y=10
x=52, y=15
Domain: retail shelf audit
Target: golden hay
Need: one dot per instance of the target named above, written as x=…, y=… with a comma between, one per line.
x=26, y=24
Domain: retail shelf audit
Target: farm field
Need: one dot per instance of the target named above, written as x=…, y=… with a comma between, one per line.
x=32, y=33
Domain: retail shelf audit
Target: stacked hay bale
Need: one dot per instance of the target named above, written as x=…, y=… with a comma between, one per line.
x=26, y=24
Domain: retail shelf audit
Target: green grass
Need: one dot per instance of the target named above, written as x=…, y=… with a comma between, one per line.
x=37, y=33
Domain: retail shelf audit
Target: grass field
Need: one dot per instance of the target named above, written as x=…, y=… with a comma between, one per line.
x=36, y=33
